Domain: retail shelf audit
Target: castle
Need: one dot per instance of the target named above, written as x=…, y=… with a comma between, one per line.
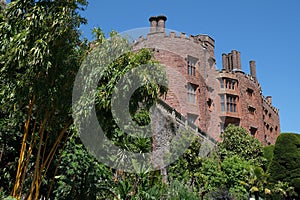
x=208, y=97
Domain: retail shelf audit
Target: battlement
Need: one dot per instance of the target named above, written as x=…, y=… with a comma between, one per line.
x=268, y=101
x=157, y=29
x=251, y=78
x=204, y=40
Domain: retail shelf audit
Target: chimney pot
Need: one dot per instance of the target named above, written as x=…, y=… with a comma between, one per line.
x=153, y=24
x=253, y=69
x=225, y=61
x=161, y=23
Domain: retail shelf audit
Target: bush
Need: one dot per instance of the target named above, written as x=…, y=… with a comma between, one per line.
x=285, y=165
x=268, y=154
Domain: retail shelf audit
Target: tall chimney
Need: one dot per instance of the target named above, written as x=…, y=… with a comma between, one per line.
x=234, y=59
x=161, y=22
x=238, y=57
x=253, y=69
x=225, y=61
x=153, y=24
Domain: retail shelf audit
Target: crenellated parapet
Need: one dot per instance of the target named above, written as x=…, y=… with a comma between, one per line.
x=268, y=101
x=203, y=40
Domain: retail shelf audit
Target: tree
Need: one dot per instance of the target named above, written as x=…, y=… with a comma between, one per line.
x=40, y=55
x=285, y=166
x=2, y=5
x=237, y=141
x=80, y=175
x=269, y=154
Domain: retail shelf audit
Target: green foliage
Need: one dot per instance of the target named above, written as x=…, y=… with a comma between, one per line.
x=237, y=141
x=281, y=190
x=188, y=164
x=285, y=165
x=210, y=175
x=80, y=175
x=269, y=154
x=180, y=190
x=235, y=170
x=39, y=56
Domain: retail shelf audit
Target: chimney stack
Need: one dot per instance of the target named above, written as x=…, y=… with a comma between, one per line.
x=253, y=69
x=153, y=24
x=232, y=61
x=238, y=57
x=157, y=24
x=161, y=23
x=225, y=61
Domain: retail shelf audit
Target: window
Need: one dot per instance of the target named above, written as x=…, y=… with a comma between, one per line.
x=222, y=103
x=191, y=70
x=253, y=131
x=230, y=84
x=249, y=92
x=228, y=103
x=231, y=103
x=209, y=103
x=221, y=83
x=251, y=110
x=191, y=91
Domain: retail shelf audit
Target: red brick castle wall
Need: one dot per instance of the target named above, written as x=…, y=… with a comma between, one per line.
x=208, y=97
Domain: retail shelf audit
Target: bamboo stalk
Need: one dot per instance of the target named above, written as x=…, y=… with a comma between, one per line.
x=36, y=178
x=32, y=142
x=56, y=167
x=55, y=146
x=46, y=164
x=16, y=191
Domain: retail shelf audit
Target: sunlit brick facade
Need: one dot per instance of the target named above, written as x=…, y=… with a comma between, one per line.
x=209, y=97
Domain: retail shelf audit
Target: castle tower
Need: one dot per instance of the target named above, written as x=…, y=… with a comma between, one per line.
x=210, y=99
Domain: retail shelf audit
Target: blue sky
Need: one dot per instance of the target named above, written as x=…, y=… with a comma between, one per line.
x=266, y=31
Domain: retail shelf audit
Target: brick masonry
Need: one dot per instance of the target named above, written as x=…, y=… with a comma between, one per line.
x=243, y=102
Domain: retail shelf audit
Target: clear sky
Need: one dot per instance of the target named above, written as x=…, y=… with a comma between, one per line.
x=266, y=31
